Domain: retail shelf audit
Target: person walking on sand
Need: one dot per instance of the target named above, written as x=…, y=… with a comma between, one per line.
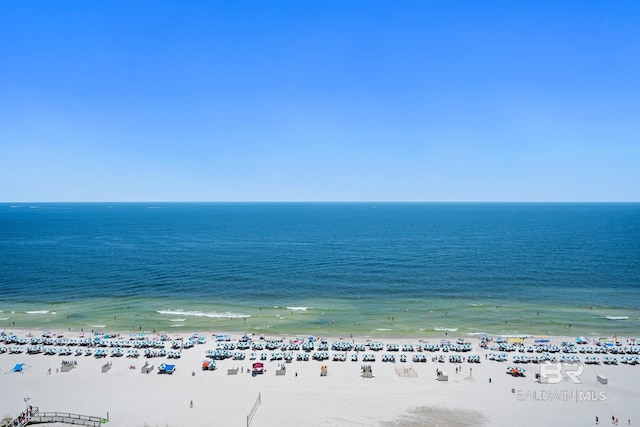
x=191, y=404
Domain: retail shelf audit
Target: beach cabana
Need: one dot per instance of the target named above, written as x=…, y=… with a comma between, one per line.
x=68, y=366
x=323, y=371
x=367, y=372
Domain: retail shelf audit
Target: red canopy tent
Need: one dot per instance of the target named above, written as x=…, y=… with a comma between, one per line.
x=258, y=368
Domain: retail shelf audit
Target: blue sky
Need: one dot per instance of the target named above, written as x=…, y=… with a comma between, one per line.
x=319, y=101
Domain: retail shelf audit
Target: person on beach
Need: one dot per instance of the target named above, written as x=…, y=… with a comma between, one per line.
x=191, y=404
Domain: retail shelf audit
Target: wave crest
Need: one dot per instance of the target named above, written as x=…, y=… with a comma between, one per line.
x=213, y=315
x=298, y=308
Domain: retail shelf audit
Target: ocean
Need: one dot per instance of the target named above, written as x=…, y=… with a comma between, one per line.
x=334, y=269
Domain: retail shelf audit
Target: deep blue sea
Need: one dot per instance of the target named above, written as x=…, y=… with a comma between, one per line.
x=372, y=269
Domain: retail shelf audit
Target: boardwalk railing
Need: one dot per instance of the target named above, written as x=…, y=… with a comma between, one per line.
x=36, y=417
x=254, y=409
x=64, y=417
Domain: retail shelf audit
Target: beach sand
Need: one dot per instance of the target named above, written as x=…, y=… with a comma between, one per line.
x=303, y=397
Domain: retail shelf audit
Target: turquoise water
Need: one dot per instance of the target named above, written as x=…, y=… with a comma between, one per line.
x=372, y=269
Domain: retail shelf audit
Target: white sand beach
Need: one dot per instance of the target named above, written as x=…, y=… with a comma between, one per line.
x=475, y=393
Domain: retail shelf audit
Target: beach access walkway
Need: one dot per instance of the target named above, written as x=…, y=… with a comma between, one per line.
x=34, y=416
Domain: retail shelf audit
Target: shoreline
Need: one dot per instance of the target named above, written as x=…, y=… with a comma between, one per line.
x=513, y=320
x=452, y=335
x=475, y=394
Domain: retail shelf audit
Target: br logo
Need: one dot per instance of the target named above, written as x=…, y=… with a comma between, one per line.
x=554, y=373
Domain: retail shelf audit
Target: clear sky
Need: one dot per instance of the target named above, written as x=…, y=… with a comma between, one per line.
x=319, y=100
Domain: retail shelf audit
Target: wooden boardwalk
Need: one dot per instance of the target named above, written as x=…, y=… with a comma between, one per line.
x=34, y=416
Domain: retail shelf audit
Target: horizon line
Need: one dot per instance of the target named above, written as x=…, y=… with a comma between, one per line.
x=323, y=201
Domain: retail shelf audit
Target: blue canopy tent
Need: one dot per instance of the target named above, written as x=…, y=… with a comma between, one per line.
x=166, y=369
x=18, y=367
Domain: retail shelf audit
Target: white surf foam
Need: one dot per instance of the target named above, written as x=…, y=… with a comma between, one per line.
x=213, y=315
x=298, y=308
